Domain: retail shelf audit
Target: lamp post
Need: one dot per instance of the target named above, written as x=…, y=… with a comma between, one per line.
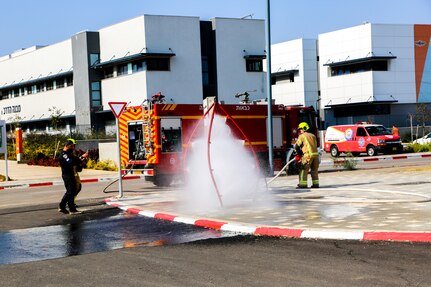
x=269, y=86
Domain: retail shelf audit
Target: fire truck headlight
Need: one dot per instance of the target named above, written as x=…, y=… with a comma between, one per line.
x=381, y=142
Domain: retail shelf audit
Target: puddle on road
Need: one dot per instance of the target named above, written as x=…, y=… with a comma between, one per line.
x=119, y=231
x=340, y=211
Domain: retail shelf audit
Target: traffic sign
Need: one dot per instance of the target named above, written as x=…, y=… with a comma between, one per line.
x=117, y=108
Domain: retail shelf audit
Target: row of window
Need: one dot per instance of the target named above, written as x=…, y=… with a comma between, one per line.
x=359, y=67
x=152, y=64
x=288, y=78
x=37, y=87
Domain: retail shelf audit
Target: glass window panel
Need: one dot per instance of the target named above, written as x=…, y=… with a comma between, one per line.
x=94, y=59
x=95, y=86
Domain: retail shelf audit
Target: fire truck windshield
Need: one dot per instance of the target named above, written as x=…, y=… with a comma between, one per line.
x=306, y=116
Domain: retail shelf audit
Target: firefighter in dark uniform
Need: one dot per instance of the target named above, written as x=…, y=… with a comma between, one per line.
x=69, y=163
x=306, y=146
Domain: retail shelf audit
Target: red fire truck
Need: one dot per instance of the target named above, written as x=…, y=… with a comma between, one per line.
x=155, y=137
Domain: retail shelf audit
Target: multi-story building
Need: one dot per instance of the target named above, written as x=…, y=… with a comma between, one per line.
x=184, y=58
x=294, y=72
x=370, y=72
x=374, y=71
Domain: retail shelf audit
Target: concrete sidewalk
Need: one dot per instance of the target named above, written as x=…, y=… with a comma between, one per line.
x=22, y=174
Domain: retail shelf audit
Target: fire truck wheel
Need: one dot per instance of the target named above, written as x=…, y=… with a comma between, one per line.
x=371, y=150
x=334, y=151
x=162, y=180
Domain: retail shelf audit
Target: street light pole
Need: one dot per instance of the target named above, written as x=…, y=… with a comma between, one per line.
x=269, y=87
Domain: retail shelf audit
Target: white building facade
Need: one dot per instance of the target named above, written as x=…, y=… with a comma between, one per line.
x=370, y=72
x=183, y=58
x=294, y=72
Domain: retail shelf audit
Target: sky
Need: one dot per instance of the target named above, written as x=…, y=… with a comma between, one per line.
x=26, y=23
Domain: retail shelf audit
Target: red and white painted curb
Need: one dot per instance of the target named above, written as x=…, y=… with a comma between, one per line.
x=280, y=231
x=60, y=182
x=381, y=158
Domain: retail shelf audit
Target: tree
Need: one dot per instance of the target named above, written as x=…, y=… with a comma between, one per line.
x=55, y=122
x=55, y=117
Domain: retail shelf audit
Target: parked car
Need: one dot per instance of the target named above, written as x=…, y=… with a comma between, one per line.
x=361, y=138
x=423, y=140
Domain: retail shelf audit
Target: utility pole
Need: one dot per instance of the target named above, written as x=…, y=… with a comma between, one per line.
x=269, y=86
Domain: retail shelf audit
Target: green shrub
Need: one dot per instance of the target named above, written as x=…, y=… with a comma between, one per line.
x=44, y=149
x=102, y=165
x=348, y=162
x=417, y=148
x=39, y=146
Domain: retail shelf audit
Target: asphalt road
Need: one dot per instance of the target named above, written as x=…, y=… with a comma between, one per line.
x=238, y=261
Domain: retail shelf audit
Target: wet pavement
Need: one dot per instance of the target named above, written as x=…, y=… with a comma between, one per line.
x=370, y=199
x=384, y=200
x=81, y=237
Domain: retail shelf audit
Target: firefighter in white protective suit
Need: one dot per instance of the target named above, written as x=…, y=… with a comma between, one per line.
x=306, y=146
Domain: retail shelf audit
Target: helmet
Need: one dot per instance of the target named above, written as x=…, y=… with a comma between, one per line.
x=303, y=126
x=70, y=140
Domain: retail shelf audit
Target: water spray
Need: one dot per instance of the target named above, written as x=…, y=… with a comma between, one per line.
x=216, y=108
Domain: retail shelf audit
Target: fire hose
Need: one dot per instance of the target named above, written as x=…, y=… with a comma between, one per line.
x=296, y=157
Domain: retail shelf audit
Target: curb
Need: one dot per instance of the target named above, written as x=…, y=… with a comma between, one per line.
x=60, y=182
x=380, y=158
x=280, y=231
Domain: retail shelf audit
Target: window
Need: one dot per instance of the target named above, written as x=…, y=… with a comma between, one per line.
x=59, y=83
x=158, y=64
x=361, y=132
x=4, y=95
x=377, y=131
x=171, y=134
x=94, y=59
x=306, y=116
x=381, y=65
x=137, y=66
x=286, y=78
x=49, y=85
x=122, y=70
x=253, y=65
x=69, y=81
x=108, y=72
x=205, y=71
x=96, y=94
